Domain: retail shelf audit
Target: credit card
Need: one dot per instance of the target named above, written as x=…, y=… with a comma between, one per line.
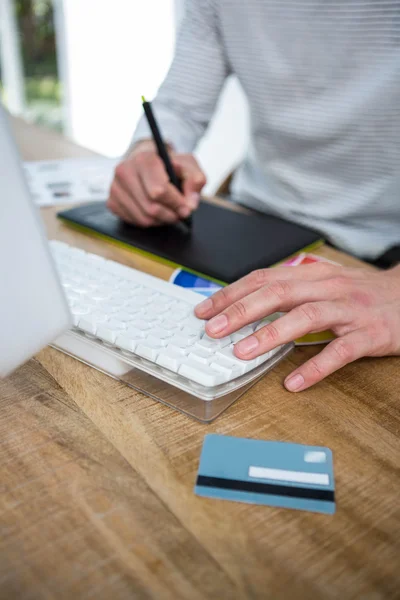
x=269, y=473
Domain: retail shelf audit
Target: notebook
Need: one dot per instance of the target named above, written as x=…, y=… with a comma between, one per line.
x=223, y=244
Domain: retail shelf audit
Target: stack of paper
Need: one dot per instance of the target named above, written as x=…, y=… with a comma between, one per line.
x=70, y=181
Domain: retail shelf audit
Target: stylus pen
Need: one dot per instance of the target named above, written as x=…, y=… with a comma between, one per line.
x=163, y=152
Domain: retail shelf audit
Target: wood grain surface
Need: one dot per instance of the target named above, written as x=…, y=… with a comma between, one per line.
x=97, y=481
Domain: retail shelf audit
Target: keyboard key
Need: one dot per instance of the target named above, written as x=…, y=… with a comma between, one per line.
x=81, y=309
x=134, y=311
x=100, y=294
x=178, y=316
x=210, y=345
x=194, y=323
x=156, y=341
x=202, y=374
x=160, y=333
x=108, y=332
x=138, y=302
x=135, y=333
x=181, y=341
x=123, y=316
x=109, y=281
x=90, y=323
x=148, y=350
x=225, y=366
x=126, y=342
x=115, y=324
x=109, y=308
x=157, y=309
x=169, y=325
x=190, y=332
x=184, y=307
x=79, y=288
x=206, y=346
x=248, y=329
x=220, y=343
x=200, y=356
x=244, y=365
x=140, y=324
x=170, y=359
x=177, y=350
x=148, y=293
x=237, y=337
x=72, y=295
x=125, y=285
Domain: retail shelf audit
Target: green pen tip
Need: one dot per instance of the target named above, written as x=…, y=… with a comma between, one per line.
x=143, y=99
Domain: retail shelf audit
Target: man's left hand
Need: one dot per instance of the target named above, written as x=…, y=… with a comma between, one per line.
x=360, y=306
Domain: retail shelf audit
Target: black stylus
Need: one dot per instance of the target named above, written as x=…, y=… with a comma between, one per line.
x=163, y=152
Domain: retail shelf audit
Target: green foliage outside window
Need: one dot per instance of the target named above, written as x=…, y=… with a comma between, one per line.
x=36, y=26
x=38, y=47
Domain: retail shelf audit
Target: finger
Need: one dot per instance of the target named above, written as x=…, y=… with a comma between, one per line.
x=175, y=201
x=160, y=210
x=122, y=204
x=114, y=208
x=129, y=176
x=154, y=212
x=131, y=191
x=278, y=296
x=336, y=355
x=307, y=318
x=257, y=279
x=192, y=176
x=152, y=172
x=114, y=204
x=157, y=187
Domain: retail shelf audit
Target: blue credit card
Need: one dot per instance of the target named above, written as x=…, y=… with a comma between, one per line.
x=269, y=473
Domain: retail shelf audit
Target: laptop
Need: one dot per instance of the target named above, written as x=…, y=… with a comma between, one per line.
x=33, y=308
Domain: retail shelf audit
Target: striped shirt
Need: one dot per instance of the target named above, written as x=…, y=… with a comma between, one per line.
x=322, y=78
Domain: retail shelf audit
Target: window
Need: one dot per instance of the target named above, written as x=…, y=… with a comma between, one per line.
x=29, y=76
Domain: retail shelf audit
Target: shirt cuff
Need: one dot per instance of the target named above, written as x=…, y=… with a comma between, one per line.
x=173, y=130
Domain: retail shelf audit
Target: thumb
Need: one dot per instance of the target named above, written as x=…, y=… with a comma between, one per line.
x=193, y=179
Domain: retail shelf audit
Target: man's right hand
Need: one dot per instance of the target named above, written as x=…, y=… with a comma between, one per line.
x=142, y=194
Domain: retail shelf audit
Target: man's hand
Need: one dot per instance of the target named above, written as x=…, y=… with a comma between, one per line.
x=362, y=308
x=141, y=193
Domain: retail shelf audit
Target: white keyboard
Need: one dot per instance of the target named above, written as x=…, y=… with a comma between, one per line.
x=150, y=324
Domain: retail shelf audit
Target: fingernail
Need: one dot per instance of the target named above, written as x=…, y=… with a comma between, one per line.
x=295, y=383
x=217, y=324
x=248, y=345
x=184, y=212
x=194, y=199
x=204, y=307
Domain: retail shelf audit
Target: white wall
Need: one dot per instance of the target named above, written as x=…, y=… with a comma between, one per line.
x=117, y=50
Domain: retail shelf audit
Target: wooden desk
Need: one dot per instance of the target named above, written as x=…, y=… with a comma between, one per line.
x=97, y=481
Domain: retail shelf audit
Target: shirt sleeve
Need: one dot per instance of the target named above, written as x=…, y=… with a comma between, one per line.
x=186, y=100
